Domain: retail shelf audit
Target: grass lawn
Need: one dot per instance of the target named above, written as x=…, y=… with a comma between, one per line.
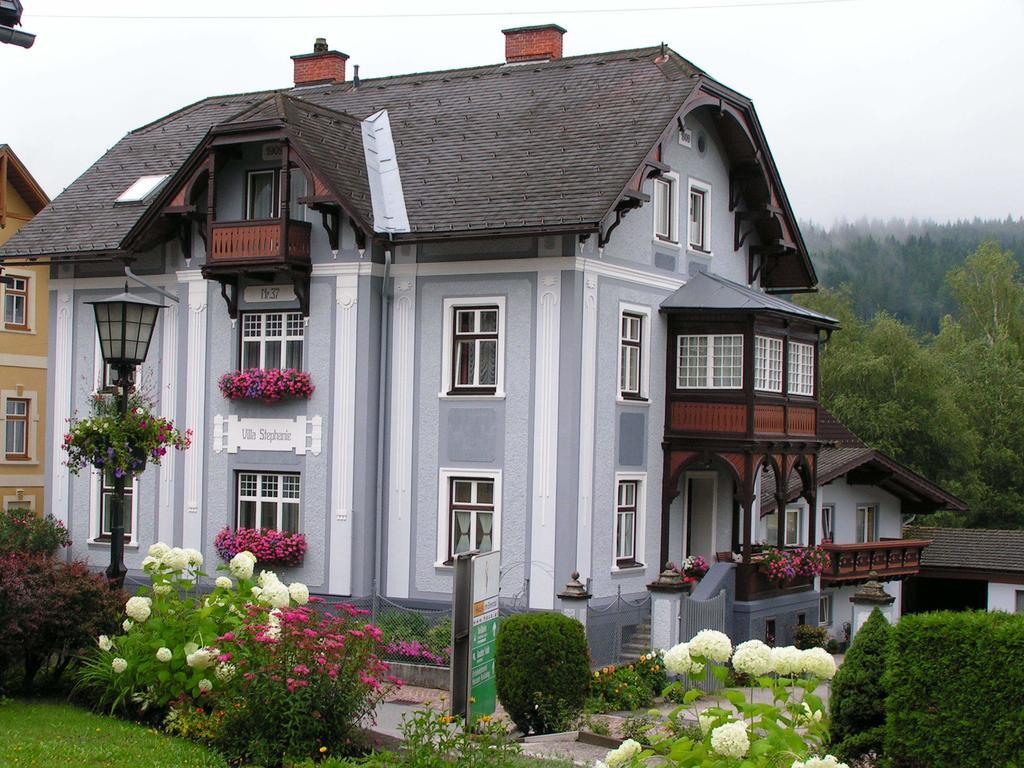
x=48, y=734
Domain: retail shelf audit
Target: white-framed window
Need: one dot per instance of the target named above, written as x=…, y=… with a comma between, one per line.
x=709, y=362
x=269, y=500
x=634, y=351
x=630, y=506
x=272, y=339
x=699, y=220
x=768, y=364
x=19, y=502
x=473, y=347
x=828, y=512
x=19, y=419
x=825, y=609
x=1019, y=605
x=626, y=497
x=666, y=208
x=16, y=428
x=468, y=512
x=107, y=495
x=801, y=368
x=792, y=531
x=867, y=523
x=16, y=302
x=261, y=195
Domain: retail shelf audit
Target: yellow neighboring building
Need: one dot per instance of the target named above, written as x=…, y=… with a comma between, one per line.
x=23, y=338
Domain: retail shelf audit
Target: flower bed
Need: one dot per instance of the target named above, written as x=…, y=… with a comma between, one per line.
x=269, y=546
x=121, y=444
x=268, y=385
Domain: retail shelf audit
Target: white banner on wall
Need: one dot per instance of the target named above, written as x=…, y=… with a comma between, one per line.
x=301, y=435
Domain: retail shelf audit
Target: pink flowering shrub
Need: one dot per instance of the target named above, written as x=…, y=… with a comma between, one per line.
x=788, y=564
x=270, y=547
x=303, y=679
x=415, y=652
x=266, y=384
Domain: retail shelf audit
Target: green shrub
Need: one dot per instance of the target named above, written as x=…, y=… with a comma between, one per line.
x=858, y=698
x=809, y=636
x=22, y=530
x=542, y=670
x=955, y=682
x=615, y=689
x=49, y=611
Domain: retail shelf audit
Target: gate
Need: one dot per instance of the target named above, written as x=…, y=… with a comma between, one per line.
x=696, y=615
x=619, y=631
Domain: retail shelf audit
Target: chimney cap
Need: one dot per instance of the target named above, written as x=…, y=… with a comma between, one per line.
x=535, y=27
x=320, y=49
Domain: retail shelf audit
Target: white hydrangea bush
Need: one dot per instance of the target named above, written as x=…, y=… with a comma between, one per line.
x=792, y=732
x=168, y=649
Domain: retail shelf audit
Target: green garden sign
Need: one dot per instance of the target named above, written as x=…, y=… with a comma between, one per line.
x=474, y=630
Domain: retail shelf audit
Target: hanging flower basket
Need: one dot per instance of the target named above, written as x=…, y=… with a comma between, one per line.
x=268, y=385
x=122, y=445
x=269, y=546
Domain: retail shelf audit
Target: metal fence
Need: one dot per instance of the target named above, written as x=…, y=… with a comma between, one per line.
x=411, y=635
x=695, y=615
x=618, y=630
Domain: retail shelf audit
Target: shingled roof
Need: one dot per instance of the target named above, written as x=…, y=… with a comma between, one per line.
x=971, y=548
x=483, y=148
x=846, y=452
x=709, y=292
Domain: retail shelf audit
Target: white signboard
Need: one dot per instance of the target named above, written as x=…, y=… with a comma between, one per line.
x=300, y=435
x=486, y=576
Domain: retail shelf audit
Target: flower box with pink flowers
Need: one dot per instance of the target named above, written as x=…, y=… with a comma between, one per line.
x=266, y=384
x=269, y=546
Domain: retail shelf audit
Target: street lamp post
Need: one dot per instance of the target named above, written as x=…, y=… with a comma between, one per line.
x=125, y=325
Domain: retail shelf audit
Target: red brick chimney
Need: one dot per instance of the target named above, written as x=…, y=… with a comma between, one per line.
x=320, y=66
x=540, y=43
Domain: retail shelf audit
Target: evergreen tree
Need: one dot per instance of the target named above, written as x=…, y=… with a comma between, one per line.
x=858, y=699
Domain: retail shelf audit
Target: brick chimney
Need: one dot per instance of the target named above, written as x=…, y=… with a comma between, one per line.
x=320, y=66
x=540, y=43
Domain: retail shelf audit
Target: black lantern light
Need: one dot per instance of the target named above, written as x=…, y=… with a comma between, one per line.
x=125, y=324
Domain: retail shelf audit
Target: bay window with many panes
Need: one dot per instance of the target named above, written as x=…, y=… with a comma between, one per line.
x=269, y=500
x=272, y=340
x=801, y=368
x=710, y=362
x=768, y=364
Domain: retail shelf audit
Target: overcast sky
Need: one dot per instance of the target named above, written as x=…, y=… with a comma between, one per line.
x=872, y=107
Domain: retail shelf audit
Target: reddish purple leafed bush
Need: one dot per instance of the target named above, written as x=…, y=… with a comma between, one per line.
x=268, y=385
x=270, y=547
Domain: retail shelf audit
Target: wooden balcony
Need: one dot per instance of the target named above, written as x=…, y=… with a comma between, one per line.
x=752, y=584
x=889, y=558
x=259, y=244
x=707, y=417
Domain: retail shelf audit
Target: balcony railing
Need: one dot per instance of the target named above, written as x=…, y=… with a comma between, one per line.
x=889, y=558
x=753, y=584
x=259, y=243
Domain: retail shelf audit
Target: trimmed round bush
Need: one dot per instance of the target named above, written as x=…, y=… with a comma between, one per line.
x=542, y=670
x=858, y=698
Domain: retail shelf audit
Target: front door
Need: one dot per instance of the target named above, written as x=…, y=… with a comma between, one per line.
x=701, y=513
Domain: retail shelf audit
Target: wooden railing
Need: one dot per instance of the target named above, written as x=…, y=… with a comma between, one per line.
x=889, y=558
x=753, y=584
x=259, y=242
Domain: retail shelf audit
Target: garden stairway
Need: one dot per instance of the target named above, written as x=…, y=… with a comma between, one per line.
x=635, y=644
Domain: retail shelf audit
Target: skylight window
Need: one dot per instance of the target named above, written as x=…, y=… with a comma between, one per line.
x=142, y=188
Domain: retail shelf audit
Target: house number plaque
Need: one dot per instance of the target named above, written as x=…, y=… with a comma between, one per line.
x=255, y=294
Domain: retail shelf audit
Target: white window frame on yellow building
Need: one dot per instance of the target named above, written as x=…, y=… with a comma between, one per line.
x=32, y=300
x=32, y=430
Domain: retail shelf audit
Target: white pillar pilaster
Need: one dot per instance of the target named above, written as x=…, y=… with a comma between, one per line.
x=62, y=400
x=588, y=398
x=195, y=408
x=168, y=409
x=346, y=294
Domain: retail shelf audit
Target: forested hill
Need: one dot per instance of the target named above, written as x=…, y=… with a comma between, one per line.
x=901, y=266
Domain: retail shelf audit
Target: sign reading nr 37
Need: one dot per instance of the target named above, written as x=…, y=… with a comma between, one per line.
x=254, y=294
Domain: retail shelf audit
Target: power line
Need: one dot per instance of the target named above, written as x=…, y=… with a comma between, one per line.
x=444, y=15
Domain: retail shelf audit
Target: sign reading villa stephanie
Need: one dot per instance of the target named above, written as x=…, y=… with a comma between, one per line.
x=303, y=434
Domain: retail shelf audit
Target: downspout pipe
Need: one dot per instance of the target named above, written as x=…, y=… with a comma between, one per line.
x=382, y=400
